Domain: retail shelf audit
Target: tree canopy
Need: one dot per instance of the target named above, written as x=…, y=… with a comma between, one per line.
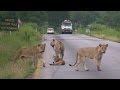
x=55, y=18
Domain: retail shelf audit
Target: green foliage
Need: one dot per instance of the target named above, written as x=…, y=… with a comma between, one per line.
x=10, y=43
x=102, y=31
x=97, y=27
x=55, y=18
x=83, y=17
x=26, y=16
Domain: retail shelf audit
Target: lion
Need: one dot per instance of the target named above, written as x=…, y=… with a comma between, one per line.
x=94, y=53
x=35, y=52
x=58, y=47
x=58, y=61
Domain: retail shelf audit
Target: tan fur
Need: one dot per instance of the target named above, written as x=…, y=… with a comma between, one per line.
x=34, y=52
x=94, y=53
x=58, y=61
x=58, y=47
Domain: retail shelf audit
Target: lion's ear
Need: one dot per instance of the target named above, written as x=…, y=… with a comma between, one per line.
x=100, y=45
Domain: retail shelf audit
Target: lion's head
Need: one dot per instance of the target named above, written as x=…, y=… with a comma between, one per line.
x=103, y=47
x=52, y=43
x=41, y=47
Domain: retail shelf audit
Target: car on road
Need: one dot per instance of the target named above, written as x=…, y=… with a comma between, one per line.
x=50, y=31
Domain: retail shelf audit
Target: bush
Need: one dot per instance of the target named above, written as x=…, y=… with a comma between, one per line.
x=94, y=27
x=104, y=31
x=26, y=36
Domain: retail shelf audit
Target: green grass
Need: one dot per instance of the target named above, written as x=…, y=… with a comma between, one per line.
x=18, y=70
x=26, y=36
x=102, y=31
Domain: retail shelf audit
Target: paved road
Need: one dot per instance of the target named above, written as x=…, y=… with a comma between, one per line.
x=110, y=64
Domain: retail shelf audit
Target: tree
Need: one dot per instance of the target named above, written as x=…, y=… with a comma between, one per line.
x=55, y=18
x=83, y=17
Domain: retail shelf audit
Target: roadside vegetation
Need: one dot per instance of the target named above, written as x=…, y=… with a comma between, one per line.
x=101, y=31
x=26, y=36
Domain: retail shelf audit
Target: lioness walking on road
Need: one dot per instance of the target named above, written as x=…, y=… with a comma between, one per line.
x=58, y=47
x=94, y=53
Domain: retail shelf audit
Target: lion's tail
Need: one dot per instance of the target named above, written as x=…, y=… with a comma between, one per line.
x=76, y=60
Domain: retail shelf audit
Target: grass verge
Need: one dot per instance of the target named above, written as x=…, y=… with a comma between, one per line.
x=102, y=31
x=26, y=36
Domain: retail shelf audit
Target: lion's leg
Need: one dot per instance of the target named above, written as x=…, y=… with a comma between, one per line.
x=40, y=57
x=98, y=65
x=43, y=62
x=83, y=63
x=62, y=55
x=57, y=54
x=35, y=61
x=85, y=67
x=78, y=63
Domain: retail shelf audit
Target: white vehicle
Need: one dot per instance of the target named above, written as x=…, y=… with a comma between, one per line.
x=66, y=26
x=50, y=31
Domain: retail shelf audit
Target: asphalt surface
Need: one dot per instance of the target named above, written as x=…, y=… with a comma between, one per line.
x=110, y=63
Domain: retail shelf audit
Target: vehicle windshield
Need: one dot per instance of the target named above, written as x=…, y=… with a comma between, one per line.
x=67, y=24
x=50, y=29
